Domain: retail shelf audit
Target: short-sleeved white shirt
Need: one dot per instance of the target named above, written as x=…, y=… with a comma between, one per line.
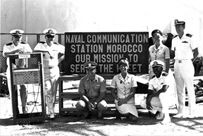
x=11, y=47
x=160, y=53
x=157, y=83
x=124, y=85
x=183, y=47
x=50, y=59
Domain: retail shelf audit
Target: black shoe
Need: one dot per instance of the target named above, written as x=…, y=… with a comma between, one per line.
x=152, y=115
x=100, y=117
x=89, y=116
x=118, y=115
x=160, y=116
x=17, y=112
x=134, y=118
x=131, y=117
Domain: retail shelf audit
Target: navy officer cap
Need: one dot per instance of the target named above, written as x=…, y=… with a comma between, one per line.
x=156, y=31
x=90, y=65
x=177, y=22
x=157, y=63
x=16, y=32
x=50, y=32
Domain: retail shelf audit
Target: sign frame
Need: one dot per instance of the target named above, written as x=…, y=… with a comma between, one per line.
x=105, y=48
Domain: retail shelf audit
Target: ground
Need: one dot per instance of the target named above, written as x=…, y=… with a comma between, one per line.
x=77, y=126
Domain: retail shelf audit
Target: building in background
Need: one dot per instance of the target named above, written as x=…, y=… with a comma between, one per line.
x=99, y=16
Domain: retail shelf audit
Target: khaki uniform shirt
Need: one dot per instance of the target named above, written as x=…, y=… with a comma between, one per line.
x=161, y=53
x=124, y=85
x=92, y=88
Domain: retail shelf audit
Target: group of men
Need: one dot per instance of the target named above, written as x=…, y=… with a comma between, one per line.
x=51, y=52
x=184, y=52
x=92, y=86
x=161, y=88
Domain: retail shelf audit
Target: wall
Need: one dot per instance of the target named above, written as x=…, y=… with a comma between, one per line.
x=34, y=16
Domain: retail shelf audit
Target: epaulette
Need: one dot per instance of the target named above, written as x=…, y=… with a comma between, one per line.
x=10, y=43
x=164, y=74
x=23, y=42
x=189, y=35
x=42, y=42
x=175, y=36
x=56, y=43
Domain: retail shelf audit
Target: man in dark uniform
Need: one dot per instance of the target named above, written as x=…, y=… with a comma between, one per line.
x=92, y=89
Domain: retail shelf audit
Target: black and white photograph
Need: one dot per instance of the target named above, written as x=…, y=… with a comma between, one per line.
x=101, y=68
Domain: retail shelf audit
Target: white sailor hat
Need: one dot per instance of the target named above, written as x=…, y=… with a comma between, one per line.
x=50, y=31
x=177, y=22
x=16, y=32
x=157, y=63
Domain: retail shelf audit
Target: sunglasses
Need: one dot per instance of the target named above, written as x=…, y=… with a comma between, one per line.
x=90, y=69
x=50, y=36
x=17, y=36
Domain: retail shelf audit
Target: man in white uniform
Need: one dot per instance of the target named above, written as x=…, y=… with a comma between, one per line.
x=160, y=93
x=185, y=51
x=16, y=46
x=51, y=51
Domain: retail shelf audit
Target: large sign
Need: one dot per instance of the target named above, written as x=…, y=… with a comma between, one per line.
x=106, y=49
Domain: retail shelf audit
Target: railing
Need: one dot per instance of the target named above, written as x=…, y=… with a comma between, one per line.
x=37, y=35
x=31, y=38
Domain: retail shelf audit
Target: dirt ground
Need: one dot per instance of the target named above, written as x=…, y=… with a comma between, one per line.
x=78, y=126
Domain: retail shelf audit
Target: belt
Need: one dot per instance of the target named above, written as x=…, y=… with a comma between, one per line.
x=181, y=61
x=49, y=67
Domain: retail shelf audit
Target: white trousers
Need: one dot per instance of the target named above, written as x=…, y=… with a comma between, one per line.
x=184, y=74
x=51, y=78
x=165, y=100
x=161, y=103
x=22, y=90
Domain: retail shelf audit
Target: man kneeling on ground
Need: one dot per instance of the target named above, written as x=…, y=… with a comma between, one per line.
x=157, y=100
x=92, y=89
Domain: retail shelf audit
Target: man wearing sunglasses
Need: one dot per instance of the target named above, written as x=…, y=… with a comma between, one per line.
x=17, y=46
x=51, y=50
x=92, y=89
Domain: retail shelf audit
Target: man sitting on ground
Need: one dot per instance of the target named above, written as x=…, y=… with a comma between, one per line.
x=92, y=89
x=159, y=95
